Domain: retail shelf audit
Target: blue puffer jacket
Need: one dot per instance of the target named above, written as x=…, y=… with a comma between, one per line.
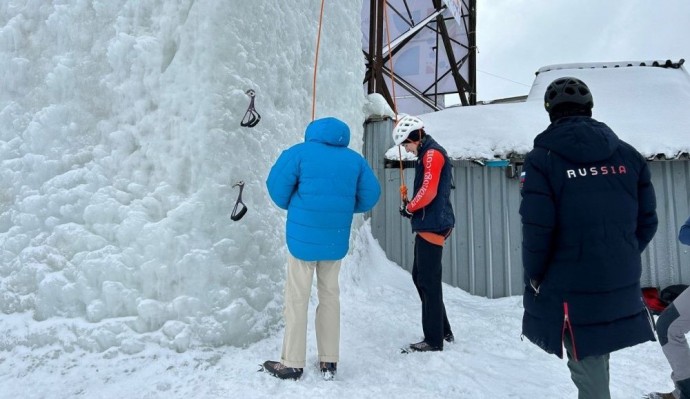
x=588, y=211
x=322, y=183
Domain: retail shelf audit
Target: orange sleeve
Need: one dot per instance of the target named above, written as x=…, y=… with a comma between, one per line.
x=433, y=164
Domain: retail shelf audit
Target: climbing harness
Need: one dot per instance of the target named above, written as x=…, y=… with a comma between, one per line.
x=237, y=214
x=251, y=117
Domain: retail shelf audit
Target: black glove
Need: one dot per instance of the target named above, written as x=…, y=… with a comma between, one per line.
x=404, y=212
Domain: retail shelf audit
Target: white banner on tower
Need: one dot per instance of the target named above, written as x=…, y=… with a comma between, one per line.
x=455, y=7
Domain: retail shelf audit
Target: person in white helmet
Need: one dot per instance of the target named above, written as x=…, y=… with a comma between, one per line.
x=432, y=219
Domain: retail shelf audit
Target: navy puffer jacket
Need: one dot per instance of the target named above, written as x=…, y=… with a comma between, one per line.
x=588, y=211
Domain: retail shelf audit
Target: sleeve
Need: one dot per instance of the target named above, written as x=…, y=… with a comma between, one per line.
x=647, y=221
x=538, y=214
x=684, y=235
x=433, y=164
x=283, y=179
x=368, y=189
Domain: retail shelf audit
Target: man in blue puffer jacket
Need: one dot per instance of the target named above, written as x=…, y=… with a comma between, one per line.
x=588, y=211
x=321, y=183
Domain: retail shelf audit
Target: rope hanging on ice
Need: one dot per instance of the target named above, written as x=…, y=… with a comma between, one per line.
x=316, y=64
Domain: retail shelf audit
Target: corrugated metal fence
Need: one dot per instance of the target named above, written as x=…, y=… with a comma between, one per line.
x=483, y=256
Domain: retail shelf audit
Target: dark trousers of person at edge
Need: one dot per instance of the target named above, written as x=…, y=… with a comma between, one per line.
x=427, y=275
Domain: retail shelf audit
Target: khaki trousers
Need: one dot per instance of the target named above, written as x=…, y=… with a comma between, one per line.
x=300, y=275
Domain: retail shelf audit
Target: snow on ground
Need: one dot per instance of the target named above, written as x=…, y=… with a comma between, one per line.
x=380, y=313
x=121, y=274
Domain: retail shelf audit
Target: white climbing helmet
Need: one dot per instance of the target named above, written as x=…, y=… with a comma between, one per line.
x=406, y=125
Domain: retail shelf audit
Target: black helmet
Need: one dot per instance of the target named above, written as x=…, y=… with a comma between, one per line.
x=567, y=90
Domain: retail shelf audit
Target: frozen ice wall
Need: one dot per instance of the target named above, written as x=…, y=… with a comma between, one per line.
x=120, y=141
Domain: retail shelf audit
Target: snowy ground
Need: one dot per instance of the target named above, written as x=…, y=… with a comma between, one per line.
x=380, y=313
x=121, y=275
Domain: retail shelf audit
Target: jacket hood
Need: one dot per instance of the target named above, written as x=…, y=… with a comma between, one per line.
x=579, y=139
x=331, y=131
x=427, y=142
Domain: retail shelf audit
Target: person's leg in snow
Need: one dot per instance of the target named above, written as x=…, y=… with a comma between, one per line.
x=298, y=283
x=590, y=374
x=300, y=275
x=671, y=327
x=427, y=276
x=328, y=315
x=297, y=291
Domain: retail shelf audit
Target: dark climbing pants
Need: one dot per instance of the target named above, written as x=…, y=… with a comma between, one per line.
x=427, y=275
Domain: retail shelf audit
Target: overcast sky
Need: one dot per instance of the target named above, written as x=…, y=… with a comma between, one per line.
x=517, y=37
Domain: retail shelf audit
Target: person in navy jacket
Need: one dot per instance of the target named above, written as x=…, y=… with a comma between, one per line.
x=671, y=328
x=322, y=184
x=432, y=219
x=588, y=211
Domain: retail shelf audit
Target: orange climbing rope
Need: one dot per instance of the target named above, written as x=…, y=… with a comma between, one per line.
x=316, y=63
x=390, y=61
x=403, y=188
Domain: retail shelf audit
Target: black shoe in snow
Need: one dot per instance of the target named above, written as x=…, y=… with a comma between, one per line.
x=424, y=346
x=279, y=370
x=659, y=395
x=328, y=370
x=449, y=338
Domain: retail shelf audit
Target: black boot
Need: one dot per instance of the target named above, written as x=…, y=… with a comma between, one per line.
x=659, y=395
x=328, y=370
x=278, y=369
x=424, y=346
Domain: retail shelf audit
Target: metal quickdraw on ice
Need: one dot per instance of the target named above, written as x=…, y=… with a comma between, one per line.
x=240, y=208
x=251, y=117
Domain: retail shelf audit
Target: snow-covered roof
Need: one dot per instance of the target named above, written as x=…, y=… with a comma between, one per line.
x=647, y=106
